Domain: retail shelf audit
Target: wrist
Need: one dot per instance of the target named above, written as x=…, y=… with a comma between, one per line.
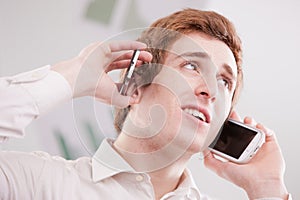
x=69, y=70
x=82, y=80
x=264, y=189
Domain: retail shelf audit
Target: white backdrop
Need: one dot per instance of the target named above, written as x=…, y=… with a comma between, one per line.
x=39, y=32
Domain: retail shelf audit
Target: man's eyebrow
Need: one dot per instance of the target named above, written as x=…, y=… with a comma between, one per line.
x=198, y=54
x=228, y=70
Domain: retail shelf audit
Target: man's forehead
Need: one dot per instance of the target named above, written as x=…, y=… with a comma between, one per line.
x=186, y=44
x=184, y=48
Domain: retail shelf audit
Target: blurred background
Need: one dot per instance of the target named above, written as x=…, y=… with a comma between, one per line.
x=40, y=32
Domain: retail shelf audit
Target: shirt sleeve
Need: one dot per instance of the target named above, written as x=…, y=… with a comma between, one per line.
x=26, y=96
x=36, y=175
x=19, y=173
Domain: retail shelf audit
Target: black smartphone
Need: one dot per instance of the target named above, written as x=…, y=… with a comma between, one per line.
x=237, y=142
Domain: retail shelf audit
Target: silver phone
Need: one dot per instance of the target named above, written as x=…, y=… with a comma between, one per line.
x=237, y=142
x=129, y=72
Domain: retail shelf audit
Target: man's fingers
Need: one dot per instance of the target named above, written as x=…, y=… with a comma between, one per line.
x=250, y=121
x=270, y=135
x=215, y=165
x=123, y=60
x=119, y=100
x=108, y=92
x=115, y=47
x=126, y=45
x=122, y=64
x=234, y=115
x=144, y=56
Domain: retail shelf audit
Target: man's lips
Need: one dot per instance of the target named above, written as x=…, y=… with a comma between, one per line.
x=198, y=112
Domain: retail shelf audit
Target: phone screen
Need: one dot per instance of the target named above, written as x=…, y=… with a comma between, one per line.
x=233, y=139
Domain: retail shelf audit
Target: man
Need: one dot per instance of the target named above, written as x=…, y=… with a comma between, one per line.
x=185, y=87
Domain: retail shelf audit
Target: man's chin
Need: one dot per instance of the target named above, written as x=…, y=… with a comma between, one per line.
x=197, y=146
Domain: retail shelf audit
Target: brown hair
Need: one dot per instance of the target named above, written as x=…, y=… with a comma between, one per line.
x=165, y=31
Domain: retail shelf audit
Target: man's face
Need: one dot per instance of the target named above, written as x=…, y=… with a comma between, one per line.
x=190, y=98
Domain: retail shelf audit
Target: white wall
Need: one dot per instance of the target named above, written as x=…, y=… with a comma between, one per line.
x=38, y=32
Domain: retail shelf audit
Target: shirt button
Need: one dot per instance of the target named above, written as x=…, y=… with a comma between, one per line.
x=139, y=178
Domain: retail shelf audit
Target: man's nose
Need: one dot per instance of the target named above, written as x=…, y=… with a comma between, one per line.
x=207, y=88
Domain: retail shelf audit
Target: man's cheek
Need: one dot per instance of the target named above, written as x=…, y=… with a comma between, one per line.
x=215, y=126
x=221, y=112
x=224, y=102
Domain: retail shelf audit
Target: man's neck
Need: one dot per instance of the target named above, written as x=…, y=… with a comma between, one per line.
x=167, y=179
x=164, y=178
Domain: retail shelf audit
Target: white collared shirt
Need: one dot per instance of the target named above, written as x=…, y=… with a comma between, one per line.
x=107, y=175
x=38, y=175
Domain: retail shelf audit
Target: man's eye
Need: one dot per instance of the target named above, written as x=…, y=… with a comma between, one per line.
x=226, y=83
x=190, y=66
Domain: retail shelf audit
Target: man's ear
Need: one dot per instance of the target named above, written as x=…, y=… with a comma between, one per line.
x=137, y=95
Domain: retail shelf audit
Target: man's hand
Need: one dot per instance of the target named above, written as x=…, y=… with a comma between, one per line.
x=263, y=176
x=87, y=73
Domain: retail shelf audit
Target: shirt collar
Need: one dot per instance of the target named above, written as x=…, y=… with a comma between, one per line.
x=186, y=189
x=187, y=180
x=107, y=162
x=188, y=183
